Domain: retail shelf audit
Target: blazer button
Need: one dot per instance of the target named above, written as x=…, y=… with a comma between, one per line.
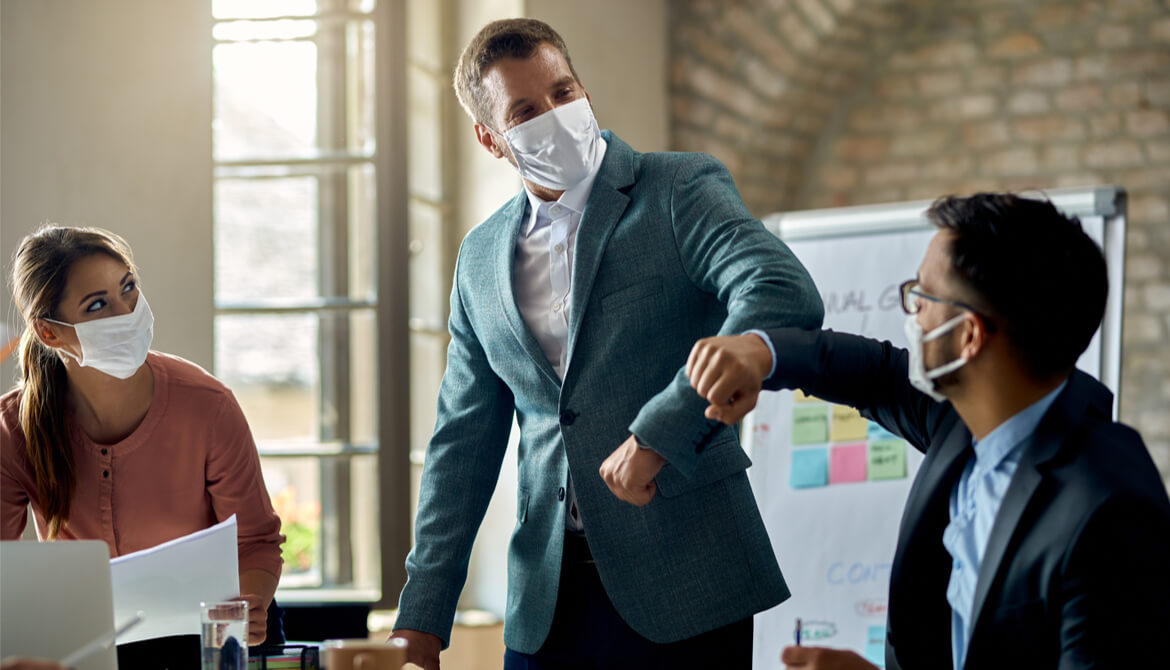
x=567, y=417
x=561, y=494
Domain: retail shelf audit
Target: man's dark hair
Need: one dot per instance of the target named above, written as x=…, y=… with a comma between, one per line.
x=506, y=38
x=1031, y=270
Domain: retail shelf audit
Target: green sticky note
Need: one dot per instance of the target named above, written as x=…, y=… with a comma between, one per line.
x=810, y=425
x=887, y=459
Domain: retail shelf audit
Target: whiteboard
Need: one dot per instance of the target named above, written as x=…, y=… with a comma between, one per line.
x=830, y=485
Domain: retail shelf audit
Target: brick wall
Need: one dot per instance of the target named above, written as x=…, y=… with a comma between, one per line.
x=823, y=103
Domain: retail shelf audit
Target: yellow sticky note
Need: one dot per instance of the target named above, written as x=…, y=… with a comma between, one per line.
x=800, y=396
x=846, y=425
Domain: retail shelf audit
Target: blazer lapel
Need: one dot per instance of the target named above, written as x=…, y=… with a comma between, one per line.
x=604, y=208
x=505, y=258
x=936, y=478
x=1043, y=446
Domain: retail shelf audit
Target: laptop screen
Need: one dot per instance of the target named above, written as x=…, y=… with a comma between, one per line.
x=55, y=597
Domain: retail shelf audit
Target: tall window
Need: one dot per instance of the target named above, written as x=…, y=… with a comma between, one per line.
x=297, y=245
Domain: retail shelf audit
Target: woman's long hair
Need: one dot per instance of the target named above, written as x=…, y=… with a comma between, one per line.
x=40, y=270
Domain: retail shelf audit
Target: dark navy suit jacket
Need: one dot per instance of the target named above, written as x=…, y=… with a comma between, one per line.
x=1076, y=573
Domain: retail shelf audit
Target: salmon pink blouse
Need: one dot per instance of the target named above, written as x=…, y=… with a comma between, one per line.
x=190, y=464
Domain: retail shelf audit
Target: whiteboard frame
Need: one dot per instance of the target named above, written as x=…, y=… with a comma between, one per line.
x=1108, y=202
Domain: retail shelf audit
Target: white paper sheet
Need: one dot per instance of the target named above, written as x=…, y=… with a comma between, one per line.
x=168, y=581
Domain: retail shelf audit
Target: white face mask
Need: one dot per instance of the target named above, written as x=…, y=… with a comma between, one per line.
x=558, y=148
x=115, y=345
x=921, y=378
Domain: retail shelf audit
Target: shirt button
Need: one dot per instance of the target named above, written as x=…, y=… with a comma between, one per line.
x=561, y=494
x=105, y=474
x=556, y=307
x=559, y=248
x=556, y=210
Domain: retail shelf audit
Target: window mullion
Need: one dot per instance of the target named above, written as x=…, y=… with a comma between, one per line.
x=334, y=267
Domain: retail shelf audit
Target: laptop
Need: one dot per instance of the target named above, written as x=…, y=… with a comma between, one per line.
x=55, y=597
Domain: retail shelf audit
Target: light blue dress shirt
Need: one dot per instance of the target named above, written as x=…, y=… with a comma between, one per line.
x=974, y=504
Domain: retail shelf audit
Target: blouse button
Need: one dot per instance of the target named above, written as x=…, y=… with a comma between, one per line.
x=106, y=474
x=105, y=451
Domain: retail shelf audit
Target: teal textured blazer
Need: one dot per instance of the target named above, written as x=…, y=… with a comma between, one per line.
x=666, y=254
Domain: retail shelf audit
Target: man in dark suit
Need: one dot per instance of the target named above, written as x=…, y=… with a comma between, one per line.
x=1037, y=531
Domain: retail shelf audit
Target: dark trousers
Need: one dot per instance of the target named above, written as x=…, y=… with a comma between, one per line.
x=588, y=634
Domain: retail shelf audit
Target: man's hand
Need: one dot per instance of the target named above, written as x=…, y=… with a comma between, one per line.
x=422, y=649
x=629, y=472
x=728, y=372
x=822, y=658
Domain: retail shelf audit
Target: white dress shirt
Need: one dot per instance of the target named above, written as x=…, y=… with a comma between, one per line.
x=542, y=279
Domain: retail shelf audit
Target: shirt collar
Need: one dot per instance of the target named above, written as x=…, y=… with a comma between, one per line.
x=1009, y=435
x=573, y=199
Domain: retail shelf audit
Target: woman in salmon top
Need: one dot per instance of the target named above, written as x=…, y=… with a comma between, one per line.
x=108, y=440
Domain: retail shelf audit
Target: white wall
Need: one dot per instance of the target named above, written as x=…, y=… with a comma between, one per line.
x=105, y=120
x=619, y=49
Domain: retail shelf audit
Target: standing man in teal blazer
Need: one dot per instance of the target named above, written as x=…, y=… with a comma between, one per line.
x=637, y=541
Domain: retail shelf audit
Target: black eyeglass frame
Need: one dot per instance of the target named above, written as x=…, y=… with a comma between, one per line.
x=910, y=289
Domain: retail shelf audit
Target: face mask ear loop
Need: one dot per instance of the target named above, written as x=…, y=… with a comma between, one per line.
x=937, y=333
x=61, y=350
x=944, y=369
x=943, y=329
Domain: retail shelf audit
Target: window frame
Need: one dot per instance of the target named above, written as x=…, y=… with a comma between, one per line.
x=334, y=449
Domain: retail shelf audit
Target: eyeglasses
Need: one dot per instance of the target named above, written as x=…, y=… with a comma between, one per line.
x=911, y=291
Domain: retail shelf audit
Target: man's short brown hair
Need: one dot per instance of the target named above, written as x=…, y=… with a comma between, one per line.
x=506, y=38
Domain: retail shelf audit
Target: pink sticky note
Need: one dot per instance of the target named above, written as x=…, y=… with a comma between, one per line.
x=847, y=463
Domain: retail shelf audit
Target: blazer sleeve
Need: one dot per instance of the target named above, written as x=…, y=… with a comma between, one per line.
x=463, y=461
x=1115, y=588
x=236, y=486
x=728, y=253
x=861, y=372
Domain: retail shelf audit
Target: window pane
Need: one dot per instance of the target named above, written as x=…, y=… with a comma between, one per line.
x=266, y=238
x=424, y=35
x=424, y=95
x=265, y=99
x=365, y=532
x=294, y=484
x=364, y=377
x=428, y=271
x=363, y=238
x=284, y=29
x=270, y=363
x=360, y=96
x=428, y=359
x=259, y=9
